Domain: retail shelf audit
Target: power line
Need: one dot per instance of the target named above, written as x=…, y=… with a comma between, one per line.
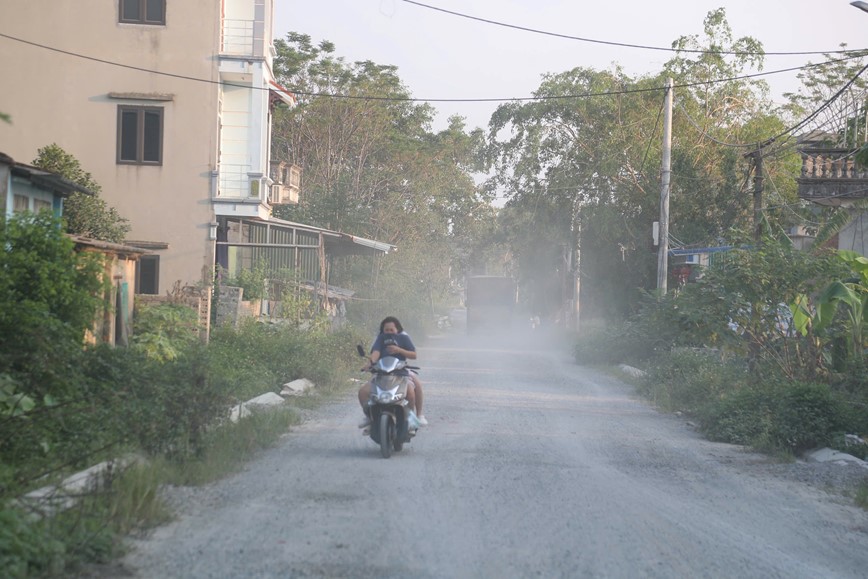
x=624, y=44
x=785, y=132
x=822, y=107
x=431, y=100
x=651, y=138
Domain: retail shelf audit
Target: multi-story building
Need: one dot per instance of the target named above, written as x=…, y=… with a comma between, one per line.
x=168, y=105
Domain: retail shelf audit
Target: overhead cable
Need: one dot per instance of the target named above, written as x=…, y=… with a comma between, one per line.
x=432, y=100
x=624, y=44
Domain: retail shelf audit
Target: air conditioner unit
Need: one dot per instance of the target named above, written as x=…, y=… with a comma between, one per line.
x=274, y=193
x=294, y=177
x=283, y=195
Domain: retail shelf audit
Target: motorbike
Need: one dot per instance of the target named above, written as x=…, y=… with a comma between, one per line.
x=393, y=422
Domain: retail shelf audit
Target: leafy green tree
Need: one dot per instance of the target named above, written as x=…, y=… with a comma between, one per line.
x=372, y=166
x=49, y=296
x=837, y=124
x=85, y=215
x=583, y=160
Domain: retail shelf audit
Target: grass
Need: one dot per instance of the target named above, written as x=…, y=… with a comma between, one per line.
x=861, y=498
x=91, y=532
x=230, y=446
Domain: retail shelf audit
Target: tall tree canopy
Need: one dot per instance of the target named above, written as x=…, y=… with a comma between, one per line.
x=581, y=164
x=86, y=215
x=373, y=166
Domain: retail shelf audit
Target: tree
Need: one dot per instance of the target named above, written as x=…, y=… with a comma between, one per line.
x=85, y=215
x=372, y=166
x=582, y=159
x=837, y=123
x=49, y=296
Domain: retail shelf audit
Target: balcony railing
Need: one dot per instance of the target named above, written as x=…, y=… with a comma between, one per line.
x=831, y=176
x=238, y=182
x=243, y=38
x=831, y=164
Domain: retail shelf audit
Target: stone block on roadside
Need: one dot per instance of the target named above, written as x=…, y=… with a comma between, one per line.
x=262, y=401
x=296, y=387
x=830, y=455
x=631, y=371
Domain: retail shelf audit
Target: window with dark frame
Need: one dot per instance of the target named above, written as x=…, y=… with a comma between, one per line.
x=143, y=11
x=148, y=275
x=140, y=135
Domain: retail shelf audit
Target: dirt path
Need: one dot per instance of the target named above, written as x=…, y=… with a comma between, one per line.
x=531, y=466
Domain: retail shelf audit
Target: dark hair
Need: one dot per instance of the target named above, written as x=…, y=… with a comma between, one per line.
x=394, y=320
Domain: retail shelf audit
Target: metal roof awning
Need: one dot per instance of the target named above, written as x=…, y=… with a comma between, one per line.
x=353, y=245
x=331, y=291
x=107, y=246
x=45, y=179
x=701, y=250
x=336, y=243
x=281, y=93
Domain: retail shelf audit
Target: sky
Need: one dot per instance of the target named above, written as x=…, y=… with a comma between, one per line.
x=443, y=56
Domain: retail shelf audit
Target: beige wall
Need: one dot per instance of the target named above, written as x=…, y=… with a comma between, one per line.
x=854, y=236
x=55, y=97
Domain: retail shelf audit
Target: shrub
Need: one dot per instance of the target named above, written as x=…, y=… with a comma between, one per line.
x=258, y=357
x=807, y=415
x=792, y=417
x=25, y=547
x=629, y=341
x=687, y=379
x=164, y=330
x=744, y=416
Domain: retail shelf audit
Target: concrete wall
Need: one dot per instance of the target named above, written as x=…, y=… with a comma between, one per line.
x=54, y=97
x=855, y=236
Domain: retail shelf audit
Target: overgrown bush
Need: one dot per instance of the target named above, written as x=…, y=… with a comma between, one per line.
x=687, y=379
x=164, y=330
x=793, y=416
x=26, y=548
x=257, y=357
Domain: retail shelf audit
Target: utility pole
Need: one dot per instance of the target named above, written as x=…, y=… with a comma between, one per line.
x=758, y=197
x=663, y=240
x=754, y=344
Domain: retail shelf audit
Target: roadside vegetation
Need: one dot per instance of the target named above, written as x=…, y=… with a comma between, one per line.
x=764, y=350
x=160, y=407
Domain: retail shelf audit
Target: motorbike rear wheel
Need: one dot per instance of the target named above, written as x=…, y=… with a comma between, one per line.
x=387, y=435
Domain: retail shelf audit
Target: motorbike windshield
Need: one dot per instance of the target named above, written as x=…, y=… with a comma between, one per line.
x=389, y=364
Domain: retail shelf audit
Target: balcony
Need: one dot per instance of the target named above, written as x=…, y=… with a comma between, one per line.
x=831, y=177
x=243, y=38
x=238, y=182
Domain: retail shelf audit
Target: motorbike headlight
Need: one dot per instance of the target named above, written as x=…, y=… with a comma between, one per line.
x=387, y=397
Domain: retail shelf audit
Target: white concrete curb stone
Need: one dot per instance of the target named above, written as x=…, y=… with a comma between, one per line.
x=631, y=371
x=829, y=455
x=264, y=400
x=52, y=499
x=296, y=387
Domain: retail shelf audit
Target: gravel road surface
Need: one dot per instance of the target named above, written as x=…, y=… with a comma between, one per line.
x=531, y=467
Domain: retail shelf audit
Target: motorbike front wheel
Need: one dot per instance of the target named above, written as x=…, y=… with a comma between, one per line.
x=387, y=435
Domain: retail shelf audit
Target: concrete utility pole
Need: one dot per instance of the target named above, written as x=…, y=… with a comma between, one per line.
x=663, y=240
x=754, y=344
x=758, y=197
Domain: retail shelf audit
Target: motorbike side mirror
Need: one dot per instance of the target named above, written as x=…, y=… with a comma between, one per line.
x=360, y=350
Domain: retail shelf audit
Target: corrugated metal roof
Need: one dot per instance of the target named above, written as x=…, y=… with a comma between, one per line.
x=337, y=242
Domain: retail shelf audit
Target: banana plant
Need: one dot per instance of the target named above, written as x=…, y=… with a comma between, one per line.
x=851, y=293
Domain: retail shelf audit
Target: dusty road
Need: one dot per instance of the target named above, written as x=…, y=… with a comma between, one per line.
x=531, y=467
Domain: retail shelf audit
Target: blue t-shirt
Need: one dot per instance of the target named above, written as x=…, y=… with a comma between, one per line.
x=402, y=340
